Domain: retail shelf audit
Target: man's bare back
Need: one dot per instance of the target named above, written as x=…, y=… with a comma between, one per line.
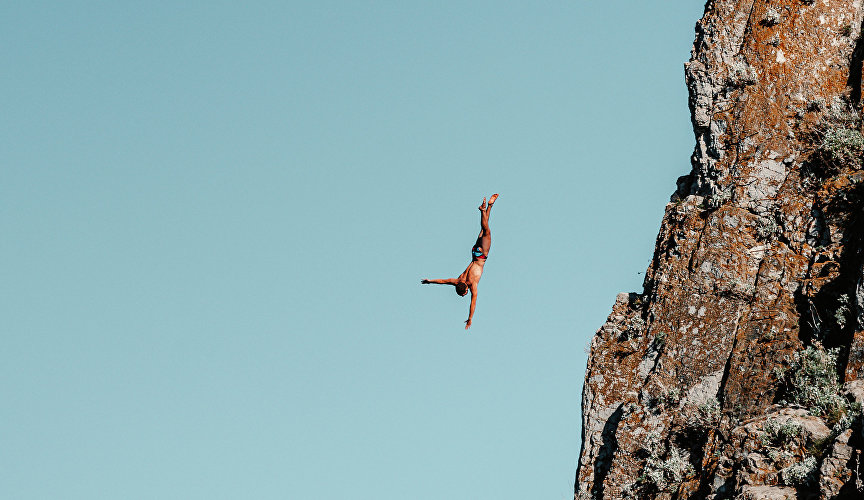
x=470, y=277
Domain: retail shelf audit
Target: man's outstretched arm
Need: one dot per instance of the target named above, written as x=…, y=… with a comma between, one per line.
x=473, y=304
x=451, y=281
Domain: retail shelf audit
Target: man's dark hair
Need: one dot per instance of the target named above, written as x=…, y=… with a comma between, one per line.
x=461, y=289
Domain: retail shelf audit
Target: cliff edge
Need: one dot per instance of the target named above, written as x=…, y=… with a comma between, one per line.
x=738, y=372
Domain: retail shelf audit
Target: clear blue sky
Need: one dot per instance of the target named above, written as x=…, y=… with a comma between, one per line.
x=216, y=216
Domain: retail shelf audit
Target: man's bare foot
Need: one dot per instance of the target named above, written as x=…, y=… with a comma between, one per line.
x=482, y=205
x=492, y=199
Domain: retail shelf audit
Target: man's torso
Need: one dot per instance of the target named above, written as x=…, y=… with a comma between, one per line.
x=473, y=272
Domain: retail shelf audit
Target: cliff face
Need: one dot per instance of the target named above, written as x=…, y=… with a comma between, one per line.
x=735, y=373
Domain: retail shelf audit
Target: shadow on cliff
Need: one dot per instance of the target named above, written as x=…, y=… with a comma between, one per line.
x=606, y=452
x=828, y=314
x=855, y=67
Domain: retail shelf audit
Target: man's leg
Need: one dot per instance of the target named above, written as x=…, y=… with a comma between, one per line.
x=484, y=219
x=484, y=239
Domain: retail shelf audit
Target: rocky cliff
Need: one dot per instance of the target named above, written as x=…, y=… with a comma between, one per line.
x=738, y=371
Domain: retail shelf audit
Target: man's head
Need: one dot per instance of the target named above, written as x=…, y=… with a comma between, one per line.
x=461, y=288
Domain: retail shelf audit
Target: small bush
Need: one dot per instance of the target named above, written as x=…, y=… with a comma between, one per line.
x=843, y=311
x=811, y=381
x=799, y=473
x=844, y=420
x=766, y=228
x=662, y=473
x=842, y=147
x=780, y=434
x=704, y=416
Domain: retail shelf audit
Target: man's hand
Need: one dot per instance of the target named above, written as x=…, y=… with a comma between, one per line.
x=425, y=281
x=473, y=303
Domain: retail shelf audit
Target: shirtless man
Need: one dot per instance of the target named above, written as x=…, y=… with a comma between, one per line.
x=470, y=277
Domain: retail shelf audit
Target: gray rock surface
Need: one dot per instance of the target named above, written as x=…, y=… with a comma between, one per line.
x=767, y=493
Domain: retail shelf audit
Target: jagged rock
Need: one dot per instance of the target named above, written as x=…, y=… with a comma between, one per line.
x=759, y=255
x=835, y=472
x=755, y=455
x=854, y=390
x=767, y=493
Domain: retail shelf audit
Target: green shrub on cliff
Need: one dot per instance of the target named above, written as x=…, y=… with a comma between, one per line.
x=842, y=147
x=811, y=381
x=777, y=433
x=660, y=473
x=702, y=416
x=799, y=473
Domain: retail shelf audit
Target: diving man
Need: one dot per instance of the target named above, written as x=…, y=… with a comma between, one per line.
x=470, y=277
